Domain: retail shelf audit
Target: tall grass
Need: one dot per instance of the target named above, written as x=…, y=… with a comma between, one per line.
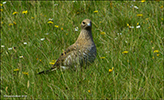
x=29, y=43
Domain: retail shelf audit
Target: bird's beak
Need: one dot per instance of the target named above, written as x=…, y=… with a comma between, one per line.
x=89, y=24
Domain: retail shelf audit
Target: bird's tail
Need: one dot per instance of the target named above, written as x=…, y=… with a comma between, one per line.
x=47, y=71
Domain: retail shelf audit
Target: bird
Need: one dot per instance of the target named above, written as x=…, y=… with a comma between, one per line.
x=81, y=53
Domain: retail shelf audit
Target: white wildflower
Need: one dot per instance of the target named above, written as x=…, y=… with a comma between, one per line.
x=138, y=26
x=55, y=4
x=25, y=43
x=2, y=46
x=20, y=56
x=4, y=2
x=131, y=27
x=42, y=39
x=50, y=19
x=119, y=33
x=76, y=29
x=10, y=48
x=135, y=7
x=132, y=6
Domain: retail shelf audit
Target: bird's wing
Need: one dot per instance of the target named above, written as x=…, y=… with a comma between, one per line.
x=64, y=55
x=60, y=61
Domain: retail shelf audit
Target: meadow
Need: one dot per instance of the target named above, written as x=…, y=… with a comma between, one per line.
x=130, y=49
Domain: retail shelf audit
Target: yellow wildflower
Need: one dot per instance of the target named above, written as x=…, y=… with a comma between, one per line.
x=66, y=34
x=1, y=5
x=110, y=70
x=52, y=62
x=161, y=18
x=24, y=12
x=38, y=59
x=125, y=52
x=25, y=73
x=143, y=0
x=102, y=57
x=127, y=24
x=161, y=7
x=10, y=24
x=153, y=57
x=96, y=11
x=89, y=91
x=137, y=23
x=157, y=55
x=50, y=22
x=32, y=17
x=56, y=26
x=147, y=18
x=15, y=70
x=77, y=13
x=140, y=15
x=1, y=10
x=1, y=22
x=153, y=48
x=156, y=51
x=14, y=13
x=103, y=33
x=62, y=28
x=14, y=23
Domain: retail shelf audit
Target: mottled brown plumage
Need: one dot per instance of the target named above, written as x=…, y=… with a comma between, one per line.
x=82, y=52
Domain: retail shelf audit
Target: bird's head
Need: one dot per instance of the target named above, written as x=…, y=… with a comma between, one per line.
x=86, y=24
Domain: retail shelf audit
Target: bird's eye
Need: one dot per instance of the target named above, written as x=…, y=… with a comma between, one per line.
x=83, y=22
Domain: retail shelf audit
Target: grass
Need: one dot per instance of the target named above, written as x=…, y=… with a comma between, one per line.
x=137, y=74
